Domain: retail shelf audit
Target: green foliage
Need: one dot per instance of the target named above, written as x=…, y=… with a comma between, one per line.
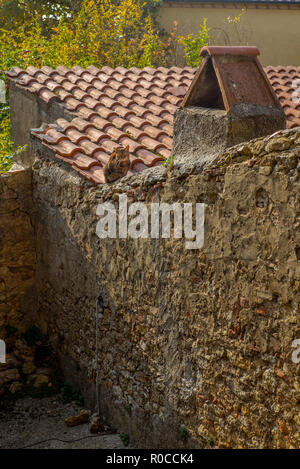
x=70, y=394
x=5, y=142
x=168, y=163
x=46, y=12
x=100, y=33
x=125, y=438
x=234, y=23
x=151, y=7
x=236, y=19
x=193, y=43
x=7, y=148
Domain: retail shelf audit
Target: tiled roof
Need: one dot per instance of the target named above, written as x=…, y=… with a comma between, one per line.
x=286, y=83
x=114, y=107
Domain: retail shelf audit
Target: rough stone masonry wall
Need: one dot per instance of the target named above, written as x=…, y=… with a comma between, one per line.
x=29, y=111
x=196, y=340
x=17, y=253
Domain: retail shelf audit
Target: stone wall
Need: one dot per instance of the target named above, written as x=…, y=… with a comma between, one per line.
x=17, y=253
x=29, y=111
x=188, y=341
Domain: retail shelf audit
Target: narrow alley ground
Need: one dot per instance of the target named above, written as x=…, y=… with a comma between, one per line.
x=31, y=420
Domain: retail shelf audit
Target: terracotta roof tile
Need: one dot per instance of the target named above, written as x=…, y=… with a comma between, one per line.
x=81, y=161
x=95, y=174
x=286, y=83
x=120, y=106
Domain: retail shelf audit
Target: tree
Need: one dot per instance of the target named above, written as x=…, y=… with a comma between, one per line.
x=193, y=43
x=100, y=32
x=84, y=32
x=46, y=12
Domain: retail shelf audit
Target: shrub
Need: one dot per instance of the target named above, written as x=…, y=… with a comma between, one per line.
x=193, y=43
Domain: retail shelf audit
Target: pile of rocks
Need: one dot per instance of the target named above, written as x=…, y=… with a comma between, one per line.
x=24, y=368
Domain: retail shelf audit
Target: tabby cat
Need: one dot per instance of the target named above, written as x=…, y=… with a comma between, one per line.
x=118, y=164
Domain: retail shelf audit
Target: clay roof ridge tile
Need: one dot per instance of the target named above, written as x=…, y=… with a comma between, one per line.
x=89, y=78
x=116, y=85
x=148, y=157
x=149, y=70
x=113, y=93
x=43, y=92
x=87, y=113
x=85, y=162
x=26, y=80
x=84, y=85
x=58, y=78
x=15, y=72
x=99, y=122
x=75, y=136
x=42, y=77
x=78, y=70
x=115, y=133
x=106, y=113
x=33, y=71
x=135, y=70
x=81, y=124
x=69, y=86
x=62, y=125
x=122, y=70
x=93, y=70
x=94, y=175
x=90, y=102
x=54, y=136
x=62, y=70
x=95, y=134
x=74, y=78
x=66, y=148
x=78, y=93
x=89, y=147
x=122, y=111
x=104, y=78
x=73, y=104
x=107, y=70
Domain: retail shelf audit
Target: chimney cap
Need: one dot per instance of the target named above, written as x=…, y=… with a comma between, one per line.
x=229, y=50
x=230, y=76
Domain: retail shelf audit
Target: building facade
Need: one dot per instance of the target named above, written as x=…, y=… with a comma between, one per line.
x=273, y=26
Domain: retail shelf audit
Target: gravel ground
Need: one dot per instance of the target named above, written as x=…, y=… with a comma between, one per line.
x=32, y=420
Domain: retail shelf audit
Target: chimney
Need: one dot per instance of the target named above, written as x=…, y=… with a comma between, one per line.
x=229, y=101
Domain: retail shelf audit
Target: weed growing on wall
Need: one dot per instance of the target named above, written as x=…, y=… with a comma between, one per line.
x=193, y=43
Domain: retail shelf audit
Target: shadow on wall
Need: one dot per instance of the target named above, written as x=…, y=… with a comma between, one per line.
x=194, y=339
x=131, y=386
